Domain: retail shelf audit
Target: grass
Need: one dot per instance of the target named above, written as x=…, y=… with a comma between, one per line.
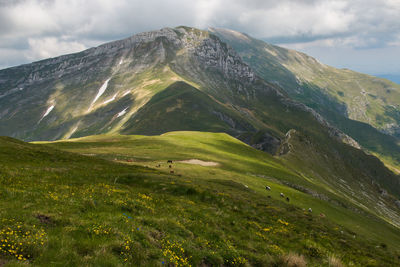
x=204, y=215
x=182, y=107
x=238, y=162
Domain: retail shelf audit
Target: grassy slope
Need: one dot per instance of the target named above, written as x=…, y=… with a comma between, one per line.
x=240, y=165
x=182, y=107
x=348, y=175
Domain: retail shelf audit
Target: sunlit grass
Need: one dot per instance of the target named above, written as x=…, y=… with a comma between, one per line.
x=86, y=211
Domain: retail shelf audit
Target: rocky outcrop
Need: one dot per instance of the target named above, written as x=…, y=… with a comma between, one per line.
x=261, y=140
x=285, y=146
x=397, y=203
x=267, y=143
x=333, y=131
x=212, y=53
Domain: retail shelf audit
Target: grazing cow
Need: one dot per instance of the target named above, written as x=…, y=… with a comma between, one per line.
x=282, y=195
x=171, y=172
x=287, y=199
x=169, y=161
x=268, y=196
x=170, y=166
x=128, y=160
x=246, y=186
x=309, y=209
x=322, y=215
x=268, y=188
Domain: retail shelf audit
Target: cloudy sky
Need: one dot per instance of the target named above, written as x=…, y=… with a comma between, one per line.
x=363, y=35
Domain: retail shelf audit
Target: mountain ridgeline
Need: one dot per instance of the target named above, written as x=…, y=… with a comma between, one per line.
x=101, y=90
x=188, y=79
x=362, y=106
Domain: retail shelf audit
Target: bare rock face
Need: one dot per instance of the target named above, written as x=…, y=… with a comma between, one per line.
x=268, y=143
x=392, y=129
x=215, y=54
x=397, y=203
x=285, y=146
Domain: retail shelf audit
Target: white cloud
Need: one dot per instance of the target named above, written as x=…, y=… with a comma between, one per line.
x=395, y=41
x=296, y=18
x=42, y=28
x=336, y=52
x=50, y=47
x=28, y=19
x=204, y=12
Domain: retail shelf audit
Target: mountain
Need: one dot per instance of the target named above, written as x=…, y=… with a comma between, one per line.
x=354, y=95
x=100, y=90
x=351, y=101
x=192, y=80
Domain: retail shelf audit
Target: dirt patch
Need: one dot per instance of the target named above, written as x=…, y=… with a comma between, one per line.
x=44, y=218
x=200, y=162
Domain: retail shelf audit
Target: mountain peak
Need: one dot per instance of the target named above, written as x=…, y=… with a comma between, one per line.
x=127, y=72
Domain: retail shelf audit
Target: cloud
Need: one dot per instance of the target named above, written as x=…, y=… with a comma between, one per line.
x=338, y=53
x=298, y=18
x=43, y=28
x=49, y=46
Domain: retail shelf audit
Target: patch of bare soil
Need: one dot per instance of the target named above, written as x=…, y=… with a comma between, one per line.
x=200, y=162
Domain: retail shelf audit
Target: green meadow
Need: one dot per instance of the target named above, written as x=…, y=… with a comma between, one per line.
x=112, y=200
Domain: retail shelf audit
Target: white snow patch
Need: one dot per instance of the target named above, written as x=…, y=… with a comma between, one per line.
x=127, y=92
x=101, y=91
x=110, y=100
x=122, y=112
x=49, y=109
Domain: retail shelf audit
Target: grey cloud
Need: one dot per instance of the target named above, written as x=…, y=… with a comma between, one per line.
x=351, y=24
